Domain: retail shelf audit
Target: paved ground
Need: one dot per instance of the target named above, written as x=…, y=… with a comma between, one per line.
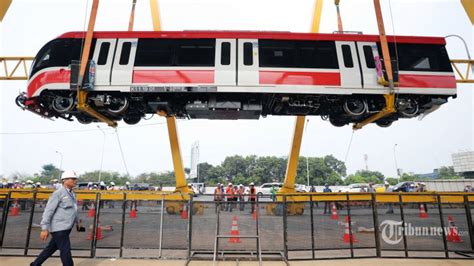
x=14, y=261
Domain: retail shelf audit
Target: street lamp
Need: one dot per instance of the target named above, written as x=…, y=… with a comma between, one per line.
x=395, y=159
x=102, y=156
x=60, y=163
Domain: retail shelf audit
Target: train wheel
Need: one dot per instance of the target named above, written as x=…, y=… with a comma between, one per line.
x=384, y=123
x=336, y=122
x=355, y=107
x=408, y=108
x=118, y=105
x=62, y=104
x=132, y=119
x=84, y=120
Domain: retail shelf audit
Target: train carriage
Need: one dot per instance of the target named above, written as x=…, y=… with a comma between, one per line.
x=240, y=75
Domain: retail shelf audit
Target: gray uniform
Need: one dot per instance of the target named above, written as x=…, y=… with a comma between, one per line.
x=61, y=211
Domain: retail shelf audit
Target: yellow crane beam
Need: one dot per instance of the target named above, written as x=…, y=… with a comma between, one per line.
x=4, y=5
x=181, y=184
x=15, y=67
x=463, y=77
x=469, y=7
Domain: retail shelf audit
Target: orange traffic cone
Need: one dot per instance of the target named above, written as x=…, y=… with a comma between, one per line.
x=133, y=213
x=453, y=235
x=334, y=215
x=15, y=211
x=98, y=233
x=348, y=236
x=91, y=211
x=184, y=212
x=234, y=231
x=254, y=215
x=423, y=213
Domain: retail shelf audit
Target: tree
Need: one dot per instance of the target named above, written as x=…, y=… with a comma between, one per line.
x=49, y=172
x=447, y=172
x=392, y=181
x=105, y=176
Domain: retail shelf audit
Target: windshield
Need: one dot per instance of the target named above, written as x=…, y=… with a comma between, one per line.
x=58, y=53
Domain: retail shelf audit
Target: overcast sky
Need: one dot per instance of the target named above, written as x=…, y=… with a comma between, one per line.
x=28, y=141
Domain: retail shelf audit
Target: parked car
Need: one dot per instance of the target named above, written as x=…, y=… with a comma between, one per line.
x=301, y=188
x=265, y=188
x=357, y=187
x=407, y=186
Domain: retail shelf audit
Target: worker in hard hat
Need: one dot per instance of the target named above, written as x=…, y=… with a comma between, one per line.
x=252, y=196
x=241, y=197
x=230, y=193
x=59, y=217
x=389, y=205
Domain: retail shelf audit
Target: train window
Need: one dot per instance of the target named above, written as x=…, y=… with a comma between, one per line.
x=298, y=54
x=347, y=56
x=276, y=53
x=59, y=53
x=225, y=53
x=103, y=54
x=199, y=52
x=155, y=52
x=369, y=56
x=423, y=57
x=248, y=54
x=125, y=55
x=317, y=54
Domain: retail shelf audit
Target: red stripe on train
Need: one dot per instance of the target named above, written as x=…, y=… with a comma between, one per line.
x=300, y=78
x=173, y=76
x=47, y=77
x=427, y=81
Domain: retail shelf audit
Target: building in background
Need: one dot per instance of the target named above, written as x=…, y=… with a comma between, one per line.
x=463, y=163
x=194, y=173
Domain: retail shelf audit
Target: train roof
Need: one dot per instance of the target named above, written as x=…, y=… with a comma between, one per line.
x=255, y=35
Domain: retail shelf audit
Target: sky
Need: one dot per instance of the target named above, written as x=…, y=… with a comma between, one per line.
x=28, y=141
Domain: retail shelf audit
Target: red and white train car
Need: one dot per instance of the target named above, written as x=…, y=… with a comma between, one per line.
x=240, y=75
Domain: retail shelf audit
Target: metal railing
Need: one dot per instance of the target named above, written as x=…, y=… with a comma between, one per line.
x=331, y=225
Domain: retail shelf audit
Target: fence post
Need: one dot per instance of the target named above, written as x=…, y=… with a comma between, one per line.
x=445, y=243
x=402, y=214
x=350, y=225
x=122, y=233
x=28, y=234
x=5, y=217
x=94, y=227
x=469, y=220
x=161, y=227
x=376, y=226
x=285, y=228
x=190, y=226
x=312, y=226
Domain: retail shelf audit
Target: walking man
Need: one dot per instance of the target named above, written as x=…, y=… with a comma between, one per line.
x=252, y=196
x=59, y=217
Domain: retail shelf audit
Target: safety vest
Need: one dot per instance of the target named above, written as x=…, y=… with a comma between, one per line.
x=252, y=193
x=230, y=192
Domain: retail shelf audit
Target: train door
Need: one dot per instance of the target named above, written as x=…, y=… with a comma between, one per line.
x=226, y=62
x=368, y=52
x=247, y=62
x=124, y=60
x=103, y=57
x=348, y=65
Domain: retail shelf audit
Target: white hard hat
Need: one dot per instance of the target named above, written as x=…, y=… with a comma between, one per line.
x=386, y=183
x=102, y=183
x=127, y=183
x=68, y=174
x=38, y=183
x=112, y=183
x=252, y=184
x=230, y=184
x=89, y=183
x=29, y=181
x=241, y=185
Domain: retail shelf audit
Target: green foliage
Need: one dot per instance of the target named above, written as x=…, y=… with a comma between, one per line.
x=49, y=171
x=365, y=176
x=392, y=181
x=105, y=176
x=447, y=172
